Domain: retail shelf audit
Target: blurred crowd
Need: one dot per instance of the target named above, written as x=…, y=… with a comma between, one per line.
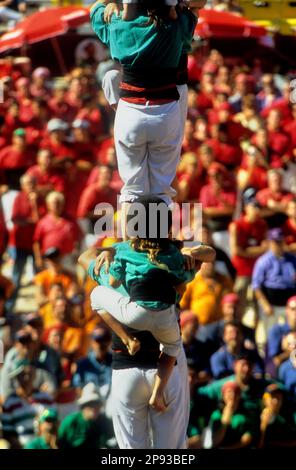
x=238, y=316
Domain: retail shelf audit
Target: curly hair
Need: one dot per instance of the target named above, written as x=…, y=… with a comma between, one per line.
x=152, y=247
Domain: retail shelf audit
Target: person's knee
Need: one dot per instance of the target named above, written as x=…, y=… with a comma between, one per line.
x=95, y=297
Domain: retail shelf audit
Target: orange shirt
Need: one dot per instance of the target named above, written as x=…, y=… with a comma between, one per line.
x=46, y=278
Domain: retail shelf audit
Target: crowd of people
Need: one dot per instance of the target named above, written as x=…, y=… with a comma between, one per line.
x=57, y=162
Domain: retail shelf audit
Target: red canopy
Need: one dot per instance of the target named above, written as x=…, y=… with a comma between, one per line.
x=212, y=23
x=44, y=25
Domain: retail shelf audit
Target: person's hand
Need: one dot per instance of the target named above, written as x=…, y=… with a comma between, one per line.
x=228, y=412
x=285, y=344
x=271, y=204
x=33, y=197
x=191, y=264
x=104, y=258
x=39, y=263
x=267, y=309
x=110, y=9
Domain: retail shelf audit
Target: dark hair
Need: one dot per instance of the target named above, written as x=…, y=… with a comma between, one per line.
x=236, y=324
x=157, y=11
x=155, y=242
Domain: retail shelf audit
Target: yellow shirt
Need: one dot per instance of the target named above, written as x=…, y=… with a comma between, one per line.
x=203, y=297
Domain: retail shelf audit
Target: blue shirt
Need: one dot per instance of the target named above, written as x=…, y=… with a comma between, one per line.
x=222, y=363
x=287, y=375
x=275, y=272
x=274, y=342
x=90, y=370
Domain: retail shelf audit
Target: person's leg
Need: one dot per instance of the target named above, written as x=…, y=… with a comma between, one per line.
x=167, y=331
x=130, y=395
x=168, y=429
x=131, y=149
x=183, y=103
x=241, y=288
x=20, y=259
x=112, y=307
x=7, y=14
x=164, y=136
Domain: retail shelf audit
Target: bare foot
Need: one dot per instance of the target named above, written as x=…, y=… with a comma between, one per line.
x=133, y=345
x=157, y=403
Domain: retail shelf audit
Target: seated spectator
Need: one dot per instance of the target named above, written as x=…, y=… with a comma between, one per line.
x=190, y=143
x=85, y=429
x=252, y=388
x=276, y=429
x=247, y=243
x=54, y=273
x=28, y=208
x=278, y=332
x=187, y=175
x=55, y=142
x=289, y=227
x=287, y=370
x=241, y=89
x=222, y=360
x=16, y=158
x=268, y=93
x=99, y=192
x=274, y=199
x=212, y=334
x=203, y=295
x=218, y=204
x=230, y=425
x=253, y=170
x=83, y=145
x=96, y=367
x=47, y=432
x=39, y=87
x=274, y=279
x=225, y=151
x=56, y=229
x=30, y=396
x=195, y=350
x=278, y=140
x=47, y=179
x=58, y=106
x=248, y=117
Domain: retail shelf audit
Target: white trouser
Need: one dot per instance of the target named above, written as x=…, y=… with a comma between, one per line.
x=184, y=392
x=162, y=324
x=136, y=424
x=9, y=14
x=147, y=140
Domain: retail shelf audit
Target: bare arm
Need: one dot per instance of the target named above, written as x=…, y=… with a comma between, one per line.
x=91, y=255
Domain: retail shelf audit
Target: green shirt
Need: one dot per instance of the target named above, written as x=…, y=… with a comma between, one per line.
x=137, y=44
x=37, y=443
x=76, y=432
x=130, y=265
x=239, y=425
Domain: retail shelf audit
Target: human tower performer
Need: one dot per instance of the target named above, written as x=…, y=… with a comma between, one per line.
x=150, y=39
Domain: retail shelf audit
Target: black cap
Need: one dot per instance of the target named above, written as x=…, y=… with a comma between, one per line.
x=51, y=253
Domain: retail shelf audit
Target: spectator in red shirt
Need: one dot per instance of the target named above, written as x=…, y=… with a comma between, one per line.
x=39, y=87
x=190, y=143
x=83, y=145
x=247, y=243
x=260, y=140
x=241, y=89
x=56, y=142
x=99, y=192
x=225, y=153
x=27, y=209
x=278, y=141
x=253, y=171
x=274, y=199
x=47, y=179
x=218, y=204
x=15, y=158
x=289, y=227
x=24, y=99
x=3, y=234
x=290, y=126
x=12, y=119
x=206, y=92
x=55, y=229
x=187, y=177
x=58, y=106
x=91, y=113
